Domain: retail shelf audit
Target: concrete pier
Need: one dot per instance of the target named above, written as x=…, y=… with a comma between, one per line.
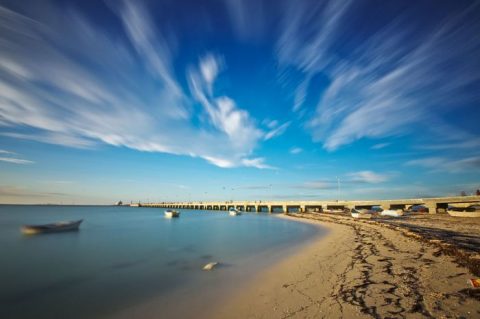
x=434, y=205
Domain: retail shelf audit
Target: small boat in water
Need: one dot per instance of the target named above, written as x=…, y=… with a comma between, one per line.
x=361, y=213
x=172, y=213
x=210, y=266
x=51, y=228
x=234, y=212
x=392, y=213
x=470, y=211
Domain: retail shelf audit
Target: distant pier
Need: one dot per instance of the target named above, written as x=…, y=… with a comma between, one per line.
x=434, y=205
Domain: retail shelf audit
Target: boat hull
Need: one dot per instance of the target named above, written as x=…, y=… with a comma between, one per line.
x=463, y=213
x=170, y=214
x=392, y=213
x=361, y=216
x=51, y=228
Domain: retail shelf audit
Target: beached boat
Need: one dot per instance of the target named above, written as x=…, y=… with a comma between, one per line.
x=417, y=209
x=361, y=213
x=336, y=211
x=172, y=213
x=392, y=213
x=51, y=228
x=234, y=212
x=470, y=211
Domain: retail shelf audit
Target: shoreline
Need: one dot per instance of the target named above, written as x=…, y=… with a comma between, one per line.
x=363, y=270
x=219, y=285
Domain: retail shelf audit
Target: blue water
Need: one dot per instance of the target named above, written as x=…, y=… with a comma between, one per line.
x=123, y=256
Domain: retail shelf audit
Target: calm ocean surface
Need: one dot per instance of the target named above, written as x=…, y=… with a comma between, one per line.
x=123, y=257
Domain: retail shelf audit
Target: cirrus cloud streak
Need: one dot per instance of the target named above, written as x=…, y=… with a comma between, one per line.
x=87, y=87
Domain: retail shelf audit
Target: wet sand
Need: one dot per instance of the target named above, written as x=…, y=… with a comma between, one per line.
x=415, y=267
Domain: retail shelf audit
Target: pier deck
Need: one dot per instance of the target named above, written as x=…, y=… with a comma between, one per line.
x=434, y=205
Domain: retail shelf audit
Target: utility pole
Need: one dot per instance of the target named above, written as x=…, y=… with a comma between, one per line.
x=338, y=189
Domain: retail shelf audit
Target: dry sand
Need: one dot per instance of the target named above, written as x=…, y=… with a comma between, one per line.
x=415, y=267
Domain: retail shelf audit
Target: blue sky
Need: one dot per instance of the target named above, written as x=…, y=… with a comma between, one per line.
x=215, y=100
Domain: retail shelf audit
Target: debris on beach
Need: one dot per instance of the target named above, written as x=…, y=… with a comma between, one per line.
x=475, y=282
x=210, y=266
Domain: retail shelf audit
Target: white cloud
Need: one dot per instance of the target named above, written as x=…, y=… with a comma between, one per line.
x=15, y=191
x=368, y=177
x=271, y=124
x=443, y=164
x=11, y=157
x=223, y=114
x=300, y=95
x=15, y=160
x=385, y=86
x=296, y=150
x=247, y=17
x=307, y=32
x=149, y=43
x=58, y=182
x=257, y=163
x=210, y=67
x=379, y=146
x=92, y=88
x=276, y=131
x=55, y=138
x=325, y=185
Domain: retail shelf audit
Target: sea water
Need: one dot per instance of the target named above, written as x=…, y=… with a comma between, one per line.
x=124, y=256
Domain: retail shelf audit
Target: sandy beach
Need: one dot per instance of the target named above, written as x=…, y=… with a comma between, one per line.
x=415, y=267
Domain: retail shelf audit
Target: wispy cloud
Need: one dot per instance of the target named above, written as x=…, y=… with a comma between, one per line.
x=387, y=85
x=319, y=185
x=258, y=162
x=368, y=177
x=379, y=146
x=349, y=180
x=308, y=32
x=58, y=182
x=91, y=88
x=445, y=164
x=150, y=44
x=15, y=160
x=12, y=157
x=224, y=115
x=295, y=150
x=276, y=130
x=247, y=18
x=254, y=187
x=14, y=191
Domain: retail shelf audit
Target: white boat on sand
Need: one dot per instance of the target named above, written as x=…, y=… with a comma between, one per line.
x=172, y=213
x=361, y=213
x=470, y=211
x=336, y=211
x=51, y=228
x=392, y=213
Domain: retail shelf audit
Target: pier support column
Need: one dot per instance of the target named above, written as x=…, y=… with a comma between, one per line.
x=432, y=207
